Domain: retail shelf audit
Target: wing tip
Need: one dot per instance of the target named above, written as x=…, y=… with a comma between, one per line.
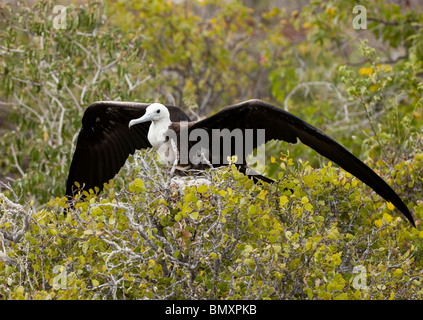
x=411, y=219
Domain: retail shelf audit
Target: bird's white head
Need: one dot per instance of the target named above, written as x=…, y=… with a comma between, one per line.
x=155, y=112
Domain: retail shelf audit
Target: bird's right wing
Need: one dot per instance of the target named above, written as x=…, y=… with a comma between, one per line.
x=105, y=142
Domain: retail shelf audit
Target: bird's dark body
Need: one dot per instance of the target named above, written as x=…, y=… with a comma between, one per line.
x=105, y=142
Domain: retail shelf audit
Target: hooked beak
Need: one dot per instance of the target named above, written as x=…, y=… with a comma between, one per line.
x=144, y=118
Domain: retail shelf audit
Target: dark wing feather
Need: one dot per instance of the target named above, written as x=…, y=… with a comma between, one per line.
x=105, y=142
x=282, y=125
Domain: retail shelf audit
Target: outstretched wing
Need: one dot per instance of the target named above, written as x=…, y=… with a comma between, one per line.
x=282, y=125
x=105, y=142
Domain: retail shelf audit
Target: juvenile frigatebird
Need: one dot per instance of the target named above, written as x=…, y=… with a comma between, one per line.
x=111, y=131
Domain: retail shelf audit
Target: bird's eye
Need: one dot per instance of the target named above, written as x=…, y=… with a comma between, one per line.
x=158, y=111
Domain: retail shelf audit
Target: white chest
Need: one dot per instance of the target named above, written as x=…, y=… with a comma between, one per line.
x=159, y=138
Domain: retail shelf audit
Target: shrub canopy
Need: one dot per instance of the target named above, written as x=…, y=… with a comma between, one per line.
x=144, y=237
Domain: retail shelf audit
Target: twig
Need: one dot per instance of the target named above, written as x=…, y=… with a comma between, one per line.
x=16, y=165
x=29, y=109
x=306, y=85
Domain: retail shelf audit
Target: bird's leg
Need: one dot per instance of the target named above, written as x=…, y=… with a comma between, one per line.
x=205, y=160
x=176, y=153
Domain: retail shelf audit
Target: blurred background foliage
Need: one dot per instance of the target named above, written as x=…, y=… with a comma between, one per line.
x=363, y=87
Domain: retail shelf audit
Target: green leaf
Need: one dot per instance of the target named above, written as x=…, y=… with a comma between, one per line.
x=202, y=189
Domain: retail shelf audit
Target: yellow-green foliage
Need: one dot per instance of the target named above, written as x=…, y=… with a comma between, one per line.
x=331, y=238
x=304, y=237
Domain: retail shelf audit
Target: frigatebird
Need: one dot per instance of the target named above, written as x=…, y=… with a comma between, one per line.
x=111, y=131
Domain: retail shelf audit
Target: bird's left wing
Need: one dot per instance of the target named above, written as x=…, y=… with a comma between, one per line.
x=282, y=125
x=105, y=142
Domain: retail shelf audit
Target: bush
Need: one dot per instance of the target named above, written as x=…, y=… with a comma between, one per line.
x=223, y=237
